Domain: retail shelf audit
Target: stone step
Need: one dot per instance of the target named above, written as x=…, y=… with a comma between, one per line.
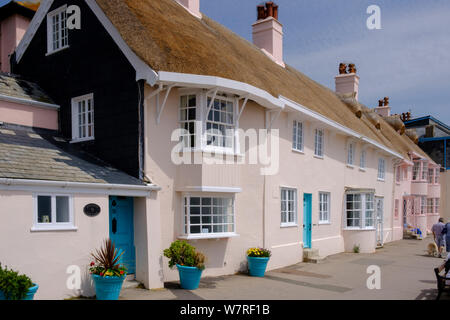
x=312, y=256
x=128, y=284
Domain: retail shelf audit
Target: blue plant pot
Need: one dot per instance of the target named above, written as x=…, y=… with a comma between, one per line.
x=257, y=266
x=29, y=296
x=108, y=288
x=189, y=277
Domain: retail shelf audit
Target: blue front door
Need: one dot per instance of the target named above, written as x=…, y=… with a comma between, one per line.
x=307, y=220
x=121, y=229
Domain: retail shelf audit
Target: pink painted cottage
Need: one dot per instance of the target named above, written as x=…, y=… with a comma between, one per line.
x=265, y=156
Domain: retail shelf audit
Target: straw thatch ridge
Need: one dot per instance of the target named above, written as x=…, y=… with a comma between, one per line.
x=168, y=38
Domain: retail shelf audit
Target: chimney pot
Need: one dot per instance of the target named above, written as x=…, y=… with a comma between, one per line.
x=261, y=12
x=275, y=12
x=269, y=6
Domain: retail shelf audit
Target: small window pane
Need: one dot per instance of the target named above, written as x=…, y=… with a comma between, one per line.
x=44, y=209
x=62, y=210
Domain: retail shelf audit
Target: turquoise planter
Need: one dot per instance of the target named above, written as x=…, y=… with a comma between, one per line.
x=257, y=266
x=29, y=296
x=108, y=288
x=189, y=277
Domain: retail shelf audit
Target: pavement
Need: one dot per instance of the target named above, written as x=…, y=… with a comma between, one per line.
x=406, y=274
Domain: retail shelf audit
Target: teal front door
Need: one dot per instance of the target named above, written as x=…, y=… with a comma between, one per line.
x=307, y=220
x=121, y=229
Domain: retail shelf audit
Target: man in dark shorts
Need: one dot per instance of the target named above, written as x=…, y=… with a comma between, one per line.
x=439, y=236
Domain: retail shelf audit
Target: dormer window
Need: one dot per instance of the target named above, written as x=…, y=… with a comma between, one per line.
x=57, y=32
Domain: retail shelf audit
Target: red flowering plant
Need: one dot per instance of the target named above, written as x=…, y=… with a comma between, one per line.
x=107, y=261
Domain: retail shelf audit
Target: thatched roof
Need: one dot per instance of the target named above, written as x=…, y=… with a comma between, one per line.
x=168, y=38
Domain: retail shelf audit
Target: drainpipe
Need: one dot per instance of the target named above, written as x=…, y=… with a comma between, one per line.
x=141, y=128
x=396, y=164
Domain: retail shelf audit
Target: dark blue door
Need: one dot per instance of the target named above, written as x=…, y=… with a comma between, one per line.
x=307, y=220
x=121, y=229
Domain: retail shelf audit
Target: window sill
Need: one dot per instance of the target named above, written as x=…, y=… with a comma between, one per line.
x=362, y=170
x=82, y=140
x=56, y=51
x=53, y=229
x=325, y=223
x=212, y=151
x=359, y=229
x=206, y=236
x=381, y=180
x=318, y=157
x=289, y=225
x=350, y=166
x=298, y=151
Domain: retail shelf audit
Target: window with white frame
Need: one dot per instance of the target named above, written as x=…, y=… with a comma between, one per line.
x=83, y=118
x=57, y=31
x=351, y=154
x=205, y=215
x=297, y=138
x=416, y=169
x=360, y=210
x=362, y=159
x=424, y=171
x=318, y=142
x=188, y=117
x=324, y=207
x=430, y=175
x=423, y=205
x=288, y=207
x=381, y=169
x=436, y=205
x=53, y=212
x=220, y=122
x=437, y=175
x=430, y=205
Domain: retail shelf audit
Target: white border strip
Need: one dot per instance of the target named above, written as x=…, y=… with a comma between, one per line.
x=29, y=102
x=287, y=245
x=76, y=187
x=210, y=189
x=331, y=123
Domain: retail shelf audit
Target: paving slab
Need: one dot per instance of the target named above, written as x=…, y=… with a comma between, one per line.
x=406, y=274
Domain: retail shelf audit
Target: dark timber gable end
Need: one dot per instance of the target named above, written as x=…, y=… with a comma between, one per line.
x=93, y=63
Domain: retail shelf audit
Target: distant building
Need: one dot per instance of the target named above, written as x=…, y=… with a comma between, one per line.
x=14, y=20
x=434, y=139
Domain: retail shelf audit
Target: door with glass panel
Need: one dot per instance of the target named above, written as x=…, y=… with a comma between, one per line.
x=379, y=202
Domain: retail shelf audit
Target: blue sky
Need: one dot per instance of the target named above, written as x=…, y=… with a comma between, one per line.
x=408, y=60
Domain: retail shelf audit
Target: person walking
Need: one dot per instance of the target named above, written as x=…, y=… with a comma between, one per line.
x=438, y=235
x=446, y=234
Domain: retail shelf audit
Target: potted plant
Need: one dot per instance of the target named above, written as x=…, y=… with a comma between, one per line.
x=189, y=262
x=16, y=287
x=257, y=261
x=107, y=272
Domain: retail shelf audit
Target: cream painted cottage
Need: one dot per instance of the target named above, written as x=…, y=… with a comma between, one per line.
x=226, y=146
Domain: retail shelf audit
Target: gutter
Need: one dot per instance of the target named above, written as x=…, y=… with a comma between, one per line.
x=79, y=185
x=29, y=102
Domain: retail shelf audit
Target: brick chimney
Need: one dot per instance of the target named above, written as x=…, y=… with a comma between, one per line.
x=347, y=82
x=268, y=32
x=193, y=6
x=383, y=108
